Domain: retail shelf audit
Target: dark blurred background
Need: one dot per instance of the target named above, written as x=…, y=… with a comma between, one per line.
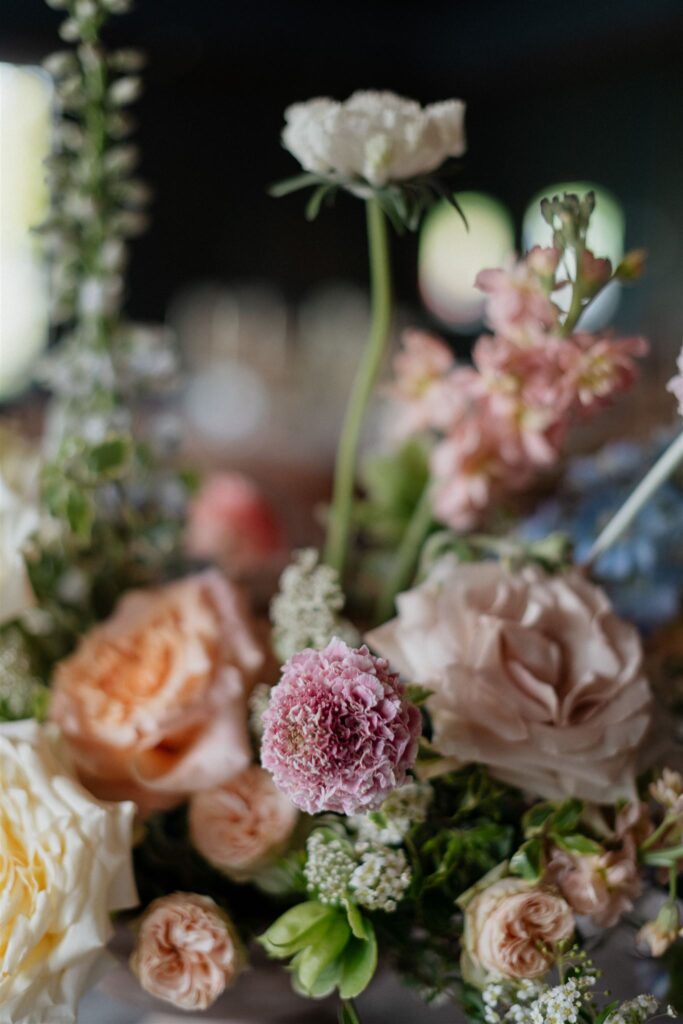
x=556, y=91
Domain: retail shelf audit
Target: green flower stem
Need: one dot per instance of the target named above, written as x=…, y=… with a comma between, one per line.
x=407, y=555
x=366, y=377
x=651, y=482
x=576, y=306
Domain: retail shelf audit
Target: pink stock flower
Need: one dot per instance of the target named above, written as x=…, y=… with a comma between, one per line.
x=601, y=886
x=187, y=952
x=339, y=733
x=230, y=522
x=480, y=461
x=602, y=367
x=530, y=388
x=518, y=299
x=419, y=368
x=543, y=261
x=675, y=385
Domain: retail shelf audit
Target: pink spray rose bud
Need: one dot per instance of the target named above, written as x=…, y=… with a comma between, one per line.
x=513, y=928
x=187, y=952
x=339, y=733
x=231, y=523
x=243, y=825
x=595, y=272
x=600, y=886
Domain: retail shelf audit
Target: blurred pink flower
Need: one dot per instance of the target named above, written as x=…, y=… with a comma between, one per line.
x=543, y=261
x=518, y=298
x=230, y=522
x=529, y=387
x=419, y=368
x=602, y=366
x=601, y=886
x=478, y=462
x=675, y=385
x=187, y=952
x=339, y=733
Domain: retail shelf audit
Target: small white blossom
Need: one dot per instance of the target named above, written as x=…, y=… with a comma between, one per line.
x=125, y=90
x=381, y=879
x=667, y=790
x=330, y=863
x=404, y=808
x=305, y=612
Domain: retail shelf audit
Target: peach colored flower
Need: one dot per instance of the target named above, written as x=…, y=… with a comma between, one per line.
x=243, y=825
x=600, y=886
x=153, y=703
x=187, y=952
x=531, y=674
x=230, y=522
x=513, y=927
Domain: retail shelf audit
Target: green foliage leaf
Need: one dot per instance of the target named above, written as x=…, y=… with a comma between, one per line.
x=527, y=862
x=418, y=695
x=360, y=926
x=393, y=485
x=577, y=843
x=110, y=459
x=321, y=953
x=567, y=816
x=294, y=184
x=536, y=817
x=80, y=513
x=359, y=963
x=292, y=931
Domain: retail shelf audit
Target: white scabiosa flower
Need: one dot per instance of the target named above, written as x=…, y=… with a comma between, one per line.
x=375, y=137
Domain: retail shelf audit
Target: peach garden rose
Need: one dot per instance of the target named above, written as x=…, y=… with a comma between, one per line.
x=153, y=703
x=187, y=952
x=513, y=928
x=532, y=675
x=241, y=826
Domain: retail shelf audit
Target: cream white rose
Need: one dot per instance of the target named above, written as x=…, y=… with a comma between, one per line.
x=532, y=675
x=377, y=136
x=65, y=864
x=19, y=518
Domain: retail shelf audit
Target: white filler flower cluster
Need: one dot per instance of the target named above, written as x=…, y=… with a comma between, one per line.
x=305, y=612
x=404, y=808
x=339, y=872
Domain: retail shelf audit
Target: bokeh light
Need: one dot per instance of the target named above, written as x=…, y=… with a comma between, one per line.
x=605, y=238
x=451, y=256
x=25, y=102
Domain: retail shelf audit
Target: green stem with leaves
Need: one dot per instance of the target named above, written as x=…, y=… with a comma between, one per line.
x=407, y=554
x=339, y=526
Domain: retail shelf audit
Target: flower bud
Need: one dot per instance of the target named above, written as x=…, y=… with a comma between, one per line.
x=632, y=265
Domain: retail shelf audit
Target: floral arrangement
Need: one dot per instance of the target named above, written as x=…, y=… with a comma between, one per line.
x=435, y=753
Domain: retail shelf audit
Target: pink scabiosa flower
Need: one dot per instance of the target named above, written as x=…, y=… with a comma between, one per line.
x=675, y=385
x=602, y=367
x=339, y=733
x=518, y=298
